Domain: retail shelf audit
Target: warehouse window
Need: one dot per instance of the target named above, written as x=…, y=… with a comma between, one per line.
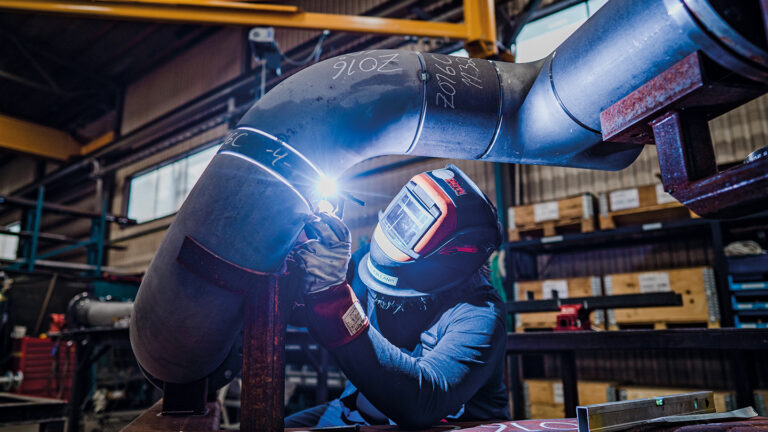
x=9, y=244
x=540, y=37
x=160, y=191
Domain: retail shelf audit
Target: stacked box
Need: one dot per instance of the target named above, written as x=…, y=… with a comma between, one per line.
x=761, y=402
x=724, y=400
x=546, y=289
x=547, y=218
x=544, y=397
x=639, y=205
x=696, y=285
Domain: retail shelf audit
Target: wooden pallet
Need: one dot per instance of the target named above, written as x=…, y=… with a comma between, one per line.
x=664, y=325
x=761, y=402
x=552, y=228
x=695, y=285
x=574, y=214
x=640, y=205
x=542, y=290
x=544, y=397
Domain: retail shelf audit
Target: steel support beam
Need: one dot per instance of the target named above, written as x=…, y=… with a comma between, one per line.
x=478, y=30
x=33, y=139
x=30, y=138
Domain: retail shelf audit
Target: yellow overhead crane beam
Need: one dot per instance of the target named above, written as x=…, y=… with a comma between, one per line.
x=21, y=136
x=478, y=29
x=25, y=137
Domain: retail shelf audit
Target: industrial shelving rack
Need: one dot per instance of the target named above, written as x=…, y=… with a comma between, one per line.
x=565, y=345
x=31, y=235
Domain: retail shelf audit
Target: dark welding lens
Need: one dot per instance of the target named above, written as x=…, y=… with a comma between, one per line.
x=407, y=220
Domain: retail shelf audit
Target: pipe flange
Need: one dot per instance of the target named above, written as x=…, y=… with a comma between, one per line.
x=725, y=35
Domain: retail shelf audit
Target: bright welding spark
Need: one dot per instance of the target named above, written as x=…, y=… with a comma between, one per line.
x=326, y=187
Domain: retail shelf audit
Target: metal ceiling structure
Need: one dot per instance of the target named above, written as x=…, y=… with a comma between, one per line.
x=67, y=72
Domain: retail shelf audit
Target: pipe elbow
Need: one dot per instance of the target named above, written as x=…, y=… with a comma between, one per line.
x=345, y=109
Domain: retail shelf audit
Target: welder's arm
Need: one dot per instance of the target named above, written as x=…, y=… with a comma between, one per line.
x=334, y=314
x=417, y=392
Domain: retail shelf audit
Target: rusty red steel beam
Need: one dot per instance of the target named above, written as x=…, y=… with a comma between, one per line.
x=264, y=358
x=672, y=111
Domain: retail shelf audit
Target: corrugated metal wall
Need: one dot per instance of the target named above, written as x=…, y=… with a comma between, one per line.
x=735, y=135
x=200, y=69
x=289, y=39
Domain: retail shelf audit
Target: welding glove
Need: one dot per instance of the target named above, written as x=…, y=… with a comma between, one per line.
x=324, y=260
x=336, y=316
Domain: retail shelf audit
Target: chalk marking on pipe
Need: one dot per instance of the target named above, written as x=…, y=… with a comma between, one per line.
x=424, y=77
x=288, y=146
x=269, y=170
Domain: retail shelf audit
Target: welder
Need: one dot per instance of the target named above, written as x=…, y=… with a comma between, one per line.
x=414, y=324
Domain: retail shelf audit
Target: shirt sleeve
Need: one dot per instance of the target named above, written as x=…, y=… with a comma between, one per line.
x=417, y=392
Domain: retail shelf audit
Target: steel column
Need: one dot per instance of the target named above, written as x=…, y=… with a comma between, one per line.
x=263, y=359
x=570, y=382
x=720, y=265
x=38, y=215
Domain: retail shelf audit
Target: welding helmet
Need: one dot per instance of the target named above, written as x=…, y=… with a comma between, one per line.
x=437, y=231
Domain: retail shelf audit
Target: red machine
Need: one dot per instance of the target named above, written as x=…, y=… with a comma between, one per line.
x=47, y=367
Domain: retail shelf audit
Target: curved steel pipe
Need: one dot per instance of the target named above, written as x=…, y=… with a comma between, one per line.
x=83, y=311
x=253, y=199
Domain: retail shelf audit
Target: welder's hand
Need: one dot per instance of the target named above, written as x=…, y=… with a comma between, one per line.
x=324, y=259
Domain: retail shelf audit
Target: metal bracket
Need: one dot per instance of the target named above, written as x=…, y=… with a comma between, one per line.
x=672, y=111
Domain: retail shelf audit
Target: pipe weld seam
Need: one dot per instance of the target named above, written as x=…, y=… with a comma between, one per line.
x=496, y=131
x=270, y=171
x=422, y=115
x=560, y=102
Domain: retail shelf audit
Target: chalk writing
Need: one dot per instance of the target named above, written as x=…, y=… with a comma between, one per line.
x=448, y=77
x=364, y=62
x=232, y=139
x=278, y=153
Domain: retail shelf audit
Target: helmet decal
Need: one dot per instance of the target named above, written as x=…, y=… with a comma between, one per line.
x=381, y=277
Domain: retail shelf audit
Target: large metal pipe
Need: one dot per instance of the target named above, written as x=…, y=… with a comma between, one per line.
x=84, y=311
x=252, y=201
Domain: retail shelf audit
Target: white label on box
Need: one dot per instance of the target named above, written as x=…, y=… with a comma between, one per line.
x=624, y=199
x=663, y=197
x=545, y=211
x=511, y=217
x=653, y=282
x=558, y=286
x=557, y=393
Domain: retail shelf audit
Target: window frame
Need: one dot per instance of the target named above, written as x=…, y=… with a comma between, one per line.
x=171, y=160
x=558, y=8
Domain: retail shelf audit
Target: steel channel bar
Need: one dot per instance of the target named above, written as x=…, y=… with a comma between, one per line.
x=598, y=302
x=614, y=416
x=677, y=339
x=56, y=208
